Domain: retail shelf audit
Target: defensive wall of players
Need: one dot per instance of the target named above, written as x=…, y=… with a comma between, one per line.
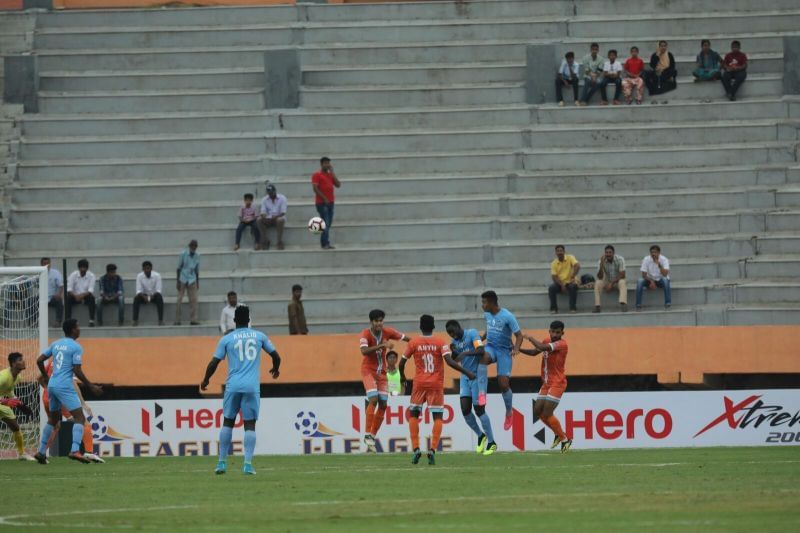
x=674, y=355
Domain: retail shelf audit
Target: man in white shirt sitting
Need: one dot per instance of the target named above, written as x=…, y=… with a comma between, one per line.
x=80, y=290
x=655, y=275
x=273, y=213
x=226, y=323
x=612, y=73
x=148, y=290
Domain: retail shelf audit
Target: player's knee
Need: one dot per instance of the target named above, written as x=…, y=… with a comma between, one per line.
x=249, y=425
x=466, y=410
x=480, y=410
x=229, y=422
x=382, y=402
x=415, y=413
x=437, y=415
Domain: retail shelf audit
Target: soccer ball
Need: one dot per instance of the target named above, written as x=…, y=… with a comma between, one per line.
x=99, y=426
x=306, y=423
x=316, y=225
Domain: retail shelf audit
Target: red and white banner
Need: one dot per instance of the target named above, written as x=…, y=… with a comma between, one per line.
x=335, y=424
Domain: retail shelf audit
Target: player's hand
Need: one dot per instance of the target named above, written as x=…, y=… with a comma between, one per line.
x=389, y=346
x=88, y=411
x=97, y=390
x=514, y=352
x=275, y=372
x=204, y=385
x=11, y=402
x=471, y=376
x=43, y=380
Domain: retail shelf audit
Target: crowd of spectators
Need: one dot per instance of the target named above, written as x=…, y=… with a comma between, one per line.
x=629, y=77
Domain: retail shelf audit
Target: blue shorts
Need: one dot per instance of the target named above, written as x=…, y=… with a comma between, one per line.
x=503, y=359
x=469, y=389
x=246, y=402
x=63, y=397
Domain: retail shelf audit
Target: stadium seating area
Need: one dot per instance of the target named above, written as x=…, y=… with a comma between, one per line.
x=153, y=124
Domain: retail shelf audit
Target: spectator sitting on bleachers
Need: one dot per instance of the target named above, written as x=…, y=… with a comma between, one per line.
x=248, y=216
x=610, y=276
x=735, y=70
x=663, y=76
x=80, y=290
x=655, y=275
x=148, y=289
x=563, y=271
x=273, y=213
x=708, y=63
x=55, y=289
x=567, y=76
x=592, y=65
x=633, y=67
x=226, y=322
x=111, y=292
x=612, y=73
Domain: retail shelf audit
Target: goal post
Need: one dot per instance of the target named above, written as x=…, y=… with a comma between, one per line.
x=23, y=328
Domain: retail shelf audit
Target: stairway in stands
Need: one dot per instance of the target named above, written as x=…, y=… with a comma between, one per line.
x=153, y=126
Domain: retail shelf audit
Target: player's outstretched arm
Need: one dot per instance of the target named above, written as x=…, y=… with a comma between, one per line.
x=40, y=363
x=454, y=365
x=477, y=352
x=276, y=364
x=210, y=369
x=96, y=389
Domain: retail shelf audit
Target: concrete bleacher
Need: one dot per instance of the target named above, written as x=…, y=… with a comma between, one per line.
x=152, y=126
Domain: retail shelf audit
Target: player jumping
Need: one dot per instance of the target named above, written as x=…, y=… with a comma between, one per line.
x=467, y=350
x=428, y=352
x=242, y=346
x=375, y=341
x=9, y=378
x=67, y=359
x=554, y=382
x=500, y=324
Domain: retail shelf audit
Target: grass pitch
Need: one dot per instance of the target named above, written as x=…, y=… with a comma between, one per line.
x=717, y=489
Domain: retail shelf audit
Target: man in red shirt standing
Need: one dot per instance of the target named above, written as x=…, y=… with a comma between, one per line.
x=323, y=182
x=734, y=68
x=554, y=381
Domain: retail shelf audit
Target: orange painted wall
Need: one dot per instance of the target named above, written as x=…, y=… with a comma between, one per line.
x=675, y=354
x=10, y=4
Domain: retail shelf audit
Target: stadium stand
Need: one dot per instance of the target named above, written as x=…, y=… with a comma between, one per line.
x=153, y=123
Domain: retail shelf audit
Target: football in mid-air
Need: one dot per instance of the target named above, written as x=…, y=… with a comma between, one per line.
x=306, y=423
x=316, y=225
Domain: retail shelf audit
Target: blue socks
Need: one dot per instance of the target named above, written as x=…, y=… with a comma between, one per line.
x=249, y=446
x=473, y=423
x=225, y=437
x=507, y=395
x=77, y=437
x=483, y=378
x=487, y=427
x=46, y=433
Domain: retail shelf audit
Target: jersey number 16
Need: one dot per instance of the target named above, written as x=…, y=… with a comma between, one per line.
x=247, y=349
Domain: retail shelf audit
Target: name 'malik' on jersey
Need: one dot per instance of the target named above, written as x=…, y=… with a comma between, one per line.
x=243, y=347
x=66, y=353
x=499, y=328
x=469, y=342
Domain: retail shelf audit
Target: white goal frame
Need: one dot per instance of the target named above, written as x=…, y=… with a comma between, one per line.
x=43, y=311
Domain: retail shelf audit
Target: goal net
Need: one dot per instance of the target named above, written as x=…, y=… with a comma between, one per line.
x=23, y=328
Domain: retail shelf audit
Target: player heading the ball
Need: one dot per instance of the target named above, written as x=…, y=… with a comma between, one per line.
x=242, y=347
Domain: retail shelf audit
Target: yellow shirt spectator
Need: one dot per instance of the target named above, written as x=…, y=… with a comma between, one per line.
x=563, y=270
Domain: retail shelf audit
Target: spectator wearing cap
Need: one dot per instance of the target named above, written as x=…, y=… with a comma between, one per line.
x=111, y=293
x=273, y=213
x=80, y=290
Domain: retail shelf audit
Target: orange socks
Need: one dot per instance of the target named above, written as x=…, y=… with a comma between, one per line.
x=378, y=420
x=437, y=433
x=413, y=427
x=88, y=438
x=370, y=418
x=553, y=423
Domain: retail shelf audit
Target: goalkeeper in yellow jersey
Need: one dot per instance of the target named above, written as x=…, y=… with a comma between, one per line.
x=8, y=401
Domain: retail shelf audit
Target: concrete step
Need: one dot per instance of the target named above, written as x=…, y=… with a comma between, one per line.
x=421, y=230
x=158, y=214
x=737, y=245
x=449, y=302
x=153, y=80
x=770, y=314
x=771, y=266
x=297, y=187
x=501, y=93
x=149, y=101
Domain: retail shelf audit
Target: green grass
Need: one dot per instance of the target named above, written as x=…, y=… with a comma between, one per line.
x=712, y=489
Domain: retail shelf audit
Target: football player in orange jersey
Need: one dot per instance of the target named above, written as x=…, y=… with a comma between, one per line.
x=428, y=352
x=554, y=381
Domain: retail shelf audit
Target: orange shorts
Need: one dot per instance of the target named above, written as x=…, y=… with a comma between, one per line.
x=433, y=396
x=46, y=403
x=375, y=384
x=552, y=392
